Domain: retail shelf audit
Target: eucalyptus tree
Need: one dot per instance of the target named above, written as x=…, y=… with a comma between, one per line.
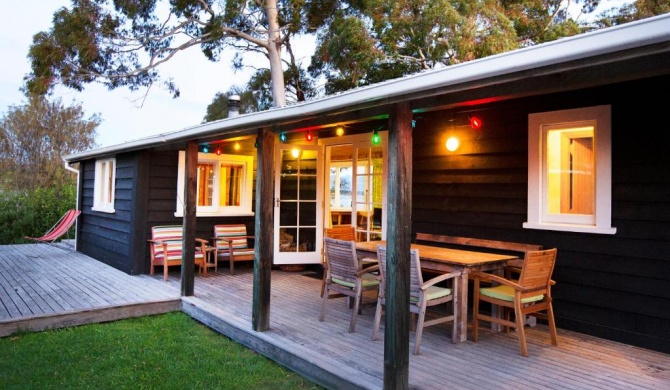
x=122, y=43
x=362, y=42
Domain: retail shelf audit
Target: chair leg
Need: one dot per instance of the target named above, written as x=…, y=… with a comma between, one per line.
x=475, y=313
x=419, y=328
x=232, y=265
x=521, y=332
x=322, y=315
x=378, y=318
x=165, y=271
x=552, y=325
x=323, y=282
x=354, y=312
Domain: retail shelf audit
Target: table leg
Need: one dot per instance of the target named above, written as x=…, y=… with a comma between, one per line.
x=461, y=305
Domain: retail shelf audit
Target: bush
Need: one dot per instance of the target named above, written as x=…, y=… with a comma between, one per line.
x=33, y=213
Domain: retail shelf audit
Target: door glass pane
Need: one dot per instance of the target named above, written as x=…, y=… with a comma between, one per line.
x=307, y=239
x=287, y=237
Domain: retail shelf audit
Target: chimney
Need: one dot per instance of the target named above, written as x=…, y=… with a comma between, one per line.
x=233, y=105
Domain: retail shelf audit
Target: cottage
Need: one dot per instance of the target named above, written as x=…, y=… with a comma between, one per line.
x=558, y=145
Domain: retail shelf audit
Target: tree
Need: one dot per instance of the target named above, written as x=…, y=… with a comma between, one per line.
x=123, y=42
x=218, y=108
x=33, y=139
x=367, y=41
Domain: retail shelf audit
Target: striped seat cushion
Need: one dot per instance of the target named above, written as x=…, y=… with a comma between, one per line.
x=171, y=235
x=236, y=233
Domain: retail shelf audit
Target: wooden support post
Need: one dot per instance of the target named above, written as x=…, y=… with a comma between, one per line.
x=190, y=194
x=396, y=331
x=264, y=231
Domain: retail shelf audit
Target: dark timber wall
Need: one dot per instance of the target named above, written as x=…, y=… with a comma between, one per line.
x=109, y=237
x=145, y=196
x=611, y=286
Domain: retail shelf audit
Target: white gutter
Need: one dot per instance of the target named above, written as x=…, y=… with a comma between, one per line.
x=69, y=168
x=609, y=40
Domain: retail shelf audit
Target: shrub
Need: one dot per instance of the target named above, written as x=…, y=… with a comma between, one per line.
x=33, y=213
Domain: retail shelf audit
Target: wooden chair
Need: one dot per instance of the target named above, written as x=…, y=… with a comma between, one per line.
x=529, y=295
x=232, y=244
x=422, y=295
x=166, y=248
x=345, y=276
x=348, y=233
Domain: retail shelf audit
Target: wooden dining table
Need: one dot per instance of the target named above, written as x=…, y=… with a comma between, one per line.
x=438, y=259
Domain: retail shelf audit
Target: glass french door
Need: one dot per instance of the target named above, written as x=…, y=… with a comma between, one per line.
x=356, y=185
x=298, y=209
x=370, y=192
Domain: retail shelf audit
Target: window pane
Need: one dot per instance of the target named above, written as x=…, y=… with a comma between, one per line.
x=110, y=185
x=205, y=184
x=230, y=190
x=570, y=171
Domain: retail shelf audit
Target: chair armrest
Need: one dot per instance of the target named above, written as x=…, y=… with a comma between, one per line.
x=487, y=277
x=201, y=240
x=158, y=242
x=367, y=270
x=438, y=279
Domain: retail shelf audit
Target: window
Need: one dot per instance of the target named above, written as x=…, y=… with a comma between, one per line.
x=103, y=191
x=569, y=171
x=224, y=184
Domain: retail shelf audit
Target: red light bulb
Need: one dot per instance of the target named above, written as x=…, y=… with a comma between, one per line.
x=475, y=122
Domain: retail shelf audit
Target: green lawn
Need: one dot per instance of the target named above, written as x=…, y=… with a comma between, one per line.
x=170, y=351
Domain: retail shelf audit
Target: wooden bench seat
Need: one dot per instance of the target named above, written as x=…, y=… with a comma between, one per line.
x=166, y=248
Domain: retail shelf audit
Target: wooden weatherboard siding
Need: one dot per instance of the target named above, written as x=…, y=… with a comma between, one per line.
x=610, y=286
x=108, y=236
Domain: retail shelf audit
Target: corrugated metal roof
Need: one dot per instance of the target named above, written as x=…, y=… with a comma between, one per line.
x=596, y=43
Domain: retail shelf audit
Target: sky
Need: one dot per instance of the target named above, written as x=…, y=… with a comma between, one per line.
x=126, y=115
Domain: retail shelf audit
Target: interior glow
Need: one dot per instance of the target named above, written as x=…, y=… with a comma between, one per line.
x=236, y=146
x=295, y=152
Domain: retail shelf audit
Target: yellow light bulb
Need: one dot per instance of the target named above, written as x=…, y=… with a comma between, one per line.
x=452, y=144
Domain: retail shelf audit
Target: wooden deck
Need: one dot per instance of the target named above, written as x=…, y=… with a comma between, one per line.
x=43, y=282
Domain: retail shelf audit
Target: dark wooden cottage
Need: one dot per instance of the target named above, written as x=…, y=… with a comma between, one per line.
x=572, y=154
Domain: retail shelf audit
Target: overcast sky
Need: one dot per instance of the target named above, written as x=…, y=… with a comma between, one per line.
x=125, y=117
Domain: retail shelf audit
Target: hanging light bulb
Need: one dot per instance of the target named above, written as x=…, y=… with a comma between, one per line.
x=256, y=143
x=282, y=138
x=475, y=122
x=376, y=139
x=309, y=137
x=236, y=146
x=339, y=131
x=205, y=148
x=452, y=144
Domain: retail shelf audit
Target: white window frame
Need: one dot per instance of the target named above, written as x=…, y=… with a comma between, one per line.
x=244, y=209
x=104, y=186
x=538, y=126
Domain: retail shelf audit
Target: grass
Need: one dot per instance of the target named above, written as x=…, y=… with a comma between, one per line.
x=169, y=351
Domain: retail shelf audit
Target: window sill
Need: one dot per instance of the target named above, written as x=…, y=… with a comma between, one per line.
x=103, y=210
x=570, y=228
x=201, y=214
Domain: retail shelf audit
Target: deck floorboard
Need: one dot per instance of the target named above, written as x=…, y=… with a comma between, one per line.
x=39, y=281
